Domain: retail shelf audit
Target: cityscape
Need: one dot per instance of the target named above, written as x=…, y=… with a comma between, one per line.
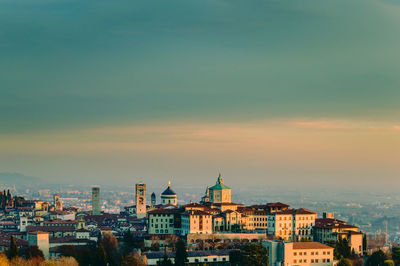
x=62, y=221
x=199, y=132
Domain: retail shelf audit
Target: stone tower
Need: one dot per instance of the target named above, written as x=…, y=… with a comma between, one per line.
x=57, y=203
x=140, y=200
x=96, y=201
x=153, y=199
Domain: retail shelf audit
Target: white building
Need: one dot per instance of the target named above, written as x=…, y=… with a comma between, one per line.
x=169, y=197
x=292, y=224
x=219, y=193
x=196, y=222
x=162, y=221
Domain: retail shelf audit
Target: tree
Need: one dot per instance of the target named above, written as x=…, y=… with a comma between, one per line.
x=365, y=244
x=396, y=255
x=235, y=257
x=376, y=259
x=4, y=259
x=344, y=262
x=388, y=263
x=68, y=251
x=34, y=252
x=110, y=243
x=129, y=243
x=181, y=253
x=133, y=259
x=13, y=249
x=101, y=256
x=342, y=249
x=165, y=261
x=254, y=254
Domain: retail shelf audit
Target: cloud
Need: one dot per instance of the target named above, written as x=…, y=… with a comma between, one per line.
x=209, y=60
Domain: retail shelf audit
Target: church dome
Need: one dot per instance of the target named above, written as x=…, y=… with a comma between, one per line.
x=168, y=191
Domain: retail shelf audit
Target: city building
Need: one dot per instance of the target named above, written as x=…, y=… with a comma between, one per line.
x=330, y=230
x=291, y=224
x=219, y=193
x=41, y=240
x=298, y=253
x=196, y=222
x=153, y=199
x=169, y=197
x=213, y=257
x=164, y=221
x=57, y=203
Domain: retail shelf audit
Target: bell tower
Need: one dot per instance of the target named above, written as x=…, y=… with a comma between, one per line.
x=140, y=200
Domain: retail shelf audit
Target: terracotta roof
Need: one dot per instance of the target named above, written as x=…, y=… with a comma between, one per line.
x=32, y=228
x=310, y=245
x=305, y=211
x=226, y=204
x=277, y=204
x=294, y=211
x=196, y=212
x=194, y=204
x=59, y=221
x=165, y=211
x=329, y=223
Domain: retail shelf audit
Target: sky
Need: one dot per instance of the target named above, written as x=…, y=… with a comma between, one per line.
x=270, y=93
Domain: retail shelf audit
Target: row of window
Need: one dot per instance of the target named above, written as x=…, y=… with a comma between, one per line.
x=312, y=260
x=206, y=260
x=161, y=231
x=290, y=218
x=312, y=253
x=163, y=220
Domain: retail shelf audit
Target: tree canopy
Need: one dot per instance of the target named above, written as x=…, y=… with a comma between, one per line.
x=181, y=253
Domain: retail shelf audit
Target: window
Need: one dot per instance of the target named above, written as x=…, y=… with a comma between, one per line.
x=328, y=260
x=300, y=253
x=312, y=253
x=196, y=260
x=205, y=259
x=223, y=259
x=294, y=261
x=214, y=259
x=312, y=260
x=295, y=253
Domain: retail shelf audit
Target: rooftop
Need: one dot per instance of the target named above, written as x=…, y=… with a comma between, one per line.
x=310, y=245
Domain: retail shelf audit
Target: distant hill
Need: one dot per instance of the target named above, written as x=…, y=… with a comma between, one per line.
x=17, y=179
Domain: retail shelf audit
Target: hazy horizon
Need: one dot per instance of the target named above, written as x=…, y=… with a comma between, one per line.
x=269, y=93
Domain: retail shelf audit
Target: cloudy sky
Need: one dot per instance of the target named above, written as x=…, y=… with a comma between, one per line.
x=266, y=92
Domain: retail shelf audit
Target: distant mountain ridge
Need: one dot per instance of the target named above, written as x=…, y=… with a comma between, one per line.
x=17, y=178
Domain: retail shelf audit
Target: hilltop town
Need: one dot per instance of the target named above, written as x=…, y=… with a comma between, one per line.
x=211, y=228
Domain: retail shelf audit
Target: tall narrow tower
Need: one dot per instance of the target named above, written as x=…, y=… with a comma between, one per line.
x=153, y=199
x=140, y=200
x=57, y=203
x=96, y=201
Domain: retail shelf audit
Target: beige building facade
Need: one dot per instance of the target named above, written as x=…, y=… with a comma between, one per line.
x=298, y=253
